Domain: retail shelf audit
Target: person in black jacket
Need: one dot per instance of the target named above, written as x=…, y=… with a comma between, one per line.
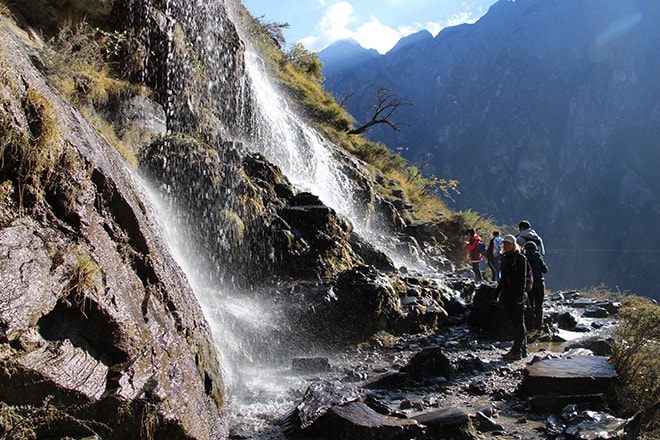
x=511, y=293
x=537, y=294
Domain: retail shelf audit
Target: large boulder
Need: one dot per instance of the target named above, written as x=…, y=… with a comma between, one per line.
x=489, y=315
x=356, y=420
x=328, y=411
x=240, y=205
x=572, y=375
x=364, y=302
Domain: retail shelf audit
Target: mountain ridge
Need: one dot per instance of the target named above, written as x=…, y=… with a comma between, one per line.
x=544, y=111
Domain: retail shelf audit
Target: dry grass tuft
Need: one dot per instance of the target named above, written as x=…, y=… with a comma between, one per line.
x=78, y=68
x=635, y=356
x=85, y=279
x=31, y=140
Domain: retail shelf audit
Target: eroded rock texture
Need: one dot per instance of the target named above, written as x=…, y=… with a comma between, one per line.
x=100, y=333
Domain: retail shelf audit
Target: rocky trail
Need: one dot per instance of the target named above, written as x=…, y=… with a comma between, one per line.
x=455, y=384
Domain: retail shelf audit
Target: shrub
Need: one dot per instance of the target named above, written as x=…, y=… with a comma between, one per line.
x=30, y=150
x=635, y=351
x=305, y=62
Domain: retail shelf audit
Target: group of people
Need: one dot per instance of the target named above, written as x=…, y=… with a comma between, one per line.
x=508, y=259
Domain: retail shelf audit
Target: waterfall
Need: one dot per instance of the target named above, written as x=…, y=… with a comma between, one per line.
x=308, y=160
x=303, y=155
x=240, y=320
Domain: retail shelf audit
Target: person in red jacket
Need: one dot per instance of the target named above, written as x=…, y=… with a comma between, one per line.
x=474, y=254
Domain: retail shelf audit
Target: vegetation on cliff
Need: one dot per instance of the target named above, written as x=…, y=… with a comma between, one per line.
x=86, y=77
x=635, y=356
x=298, y=73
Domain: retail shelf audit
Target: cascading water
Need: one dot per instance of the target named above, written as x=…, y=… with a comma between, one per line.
x=261, y=390
x=304, y=157
x=309, y=161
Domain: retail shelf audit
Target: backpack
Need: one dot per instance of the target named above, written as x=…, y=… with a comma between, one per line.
x=481, y=247
x=529, y=277
x=535, y=240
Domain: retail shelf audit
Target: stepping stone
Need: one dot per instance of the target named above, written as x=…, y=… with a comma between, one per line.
x=576, y=375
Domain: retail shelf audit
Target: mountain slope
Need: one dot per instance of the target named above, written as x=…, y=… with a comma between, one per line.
x=546, y=110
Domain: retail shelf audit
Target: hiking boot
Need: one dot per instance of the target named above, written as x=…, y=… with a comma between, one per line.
x=513, y=355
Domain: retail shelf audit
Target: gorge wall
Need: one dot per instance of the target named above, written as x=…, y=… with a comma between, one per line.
x=543, y=110
x=102, y=334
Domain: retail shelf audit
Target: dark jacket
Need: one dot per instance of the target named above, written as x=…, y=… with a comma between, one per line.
x=511, y=288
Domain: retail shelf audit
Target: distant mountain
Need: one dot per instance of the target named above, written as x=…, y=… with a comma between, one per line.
x=342, y=52
x=543, y=110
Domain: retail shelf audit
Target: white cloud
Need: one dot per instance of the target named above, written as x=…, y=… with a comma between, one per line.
x=332, y=27
x=375, y=35
x=431, y=26
x=460, y=18
x=336, y=25
x=339, y=21
x=434, y=28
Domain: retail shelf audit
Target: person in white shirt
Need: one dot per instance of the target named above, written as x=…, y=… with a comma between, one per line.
x=494, y=255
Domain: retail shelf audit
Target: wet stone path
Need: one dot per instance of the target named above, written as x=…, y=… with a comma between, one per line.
x=482, y=385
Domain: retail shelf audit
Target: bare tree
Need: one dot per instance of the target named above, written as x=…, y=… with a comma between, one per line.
x=349, y=94
x=386, y=104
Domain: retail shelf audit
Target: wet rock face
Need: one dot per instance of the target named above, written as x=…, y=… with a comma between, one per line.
x=190, y=55
x=187, y=59
x=244, y=208
x=97, y=323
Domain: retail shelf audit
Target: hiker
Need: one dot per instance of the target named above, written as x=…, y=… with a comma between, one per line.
x=526, y=233
x=537, y=293
x=511, y=293
x=494, y=255
x=474, y=254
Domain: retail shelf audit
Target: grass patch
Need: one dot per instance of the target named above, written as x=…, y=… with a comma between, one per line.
x=14, y=424
x=635, y=350
x=232, y=225
x=150, y=421
x=32, y=143
x=78, y=65
x=84, y=279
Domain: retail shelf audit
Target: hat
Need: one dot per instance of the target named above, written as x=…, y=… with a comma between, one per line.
x=510, y=239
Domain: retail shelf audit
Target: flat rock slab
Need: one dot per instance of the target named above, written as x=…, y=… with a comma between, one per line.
x=444, y=423
x=570, y=376
x=355, y=420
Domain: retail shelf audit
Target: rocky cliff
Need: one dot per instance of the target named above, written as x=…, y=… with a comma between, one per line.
x=542, y=110
x=101, y=333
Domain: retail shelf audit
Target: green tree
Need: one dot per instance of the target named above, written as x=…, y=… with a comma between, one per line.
x=305, y=62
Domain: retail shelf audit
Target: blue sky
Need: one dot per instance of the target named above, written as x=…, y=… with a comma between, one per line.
x=375, y=24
